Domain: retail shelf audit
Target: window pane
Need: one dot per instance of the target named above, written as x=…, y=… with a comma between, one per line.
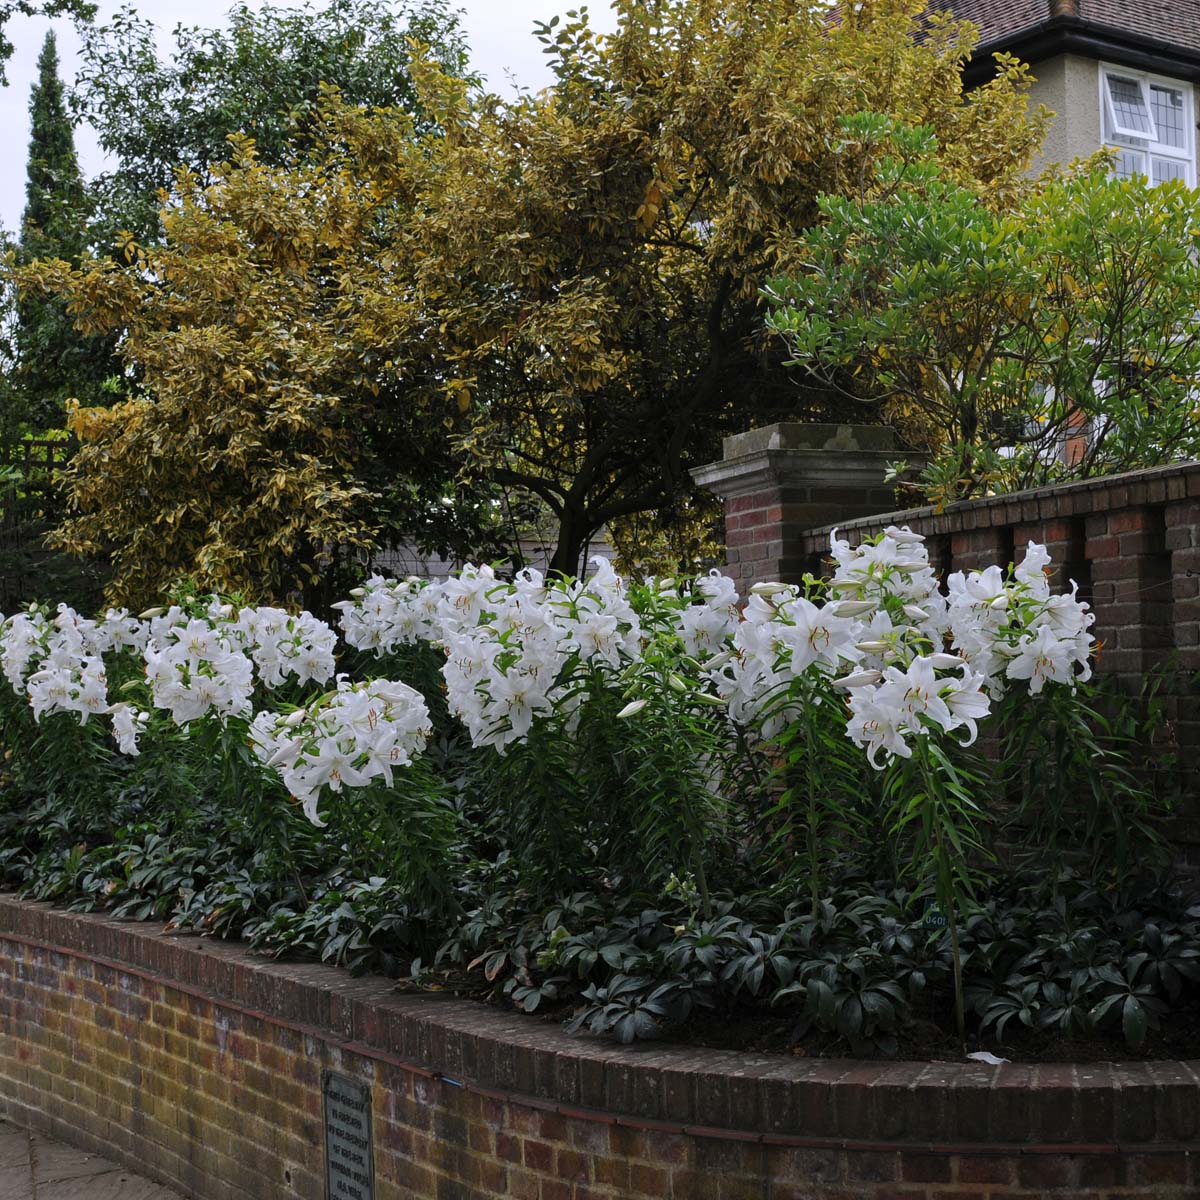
x=1129, y=106
x=1129, y=163
x=1162, y=169
x=1167, y=106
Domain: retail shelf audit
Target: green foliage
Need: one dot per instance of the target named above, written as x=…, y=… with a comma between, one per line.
x=824, y=794
x=1076, y=772
x=361, y=924
x=51, y=360
x=260, y=75
x=1052, y=340
x=553, y=297
x=263, y=401
x=589, y=260
x=54, y=194
x=81, y=10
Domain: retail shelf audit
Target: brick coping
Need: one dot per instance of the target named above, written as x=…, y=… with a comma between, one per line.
x=1149, y=484
x=1090, y=1109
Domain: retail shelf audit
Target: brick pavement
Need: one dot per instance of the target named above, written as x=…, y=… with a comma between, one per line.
x=34, y=1168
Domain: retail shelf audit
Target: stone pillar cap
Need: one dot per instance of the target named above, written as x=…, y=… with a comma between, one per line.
x=796, y=435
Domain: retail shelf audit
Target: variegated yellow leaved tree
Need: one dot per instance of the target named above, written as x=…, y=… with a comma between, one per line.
x=558, y=295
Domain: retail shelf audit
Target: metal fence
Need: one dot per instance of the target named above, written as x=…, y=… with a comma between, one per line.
x=30, y=506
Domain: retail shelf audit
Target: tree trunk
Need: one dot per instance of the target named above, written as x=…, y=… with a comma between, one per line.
x=573, y=534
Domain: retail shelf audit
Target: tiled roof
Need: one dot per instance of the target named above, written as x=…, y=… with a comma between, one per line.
x=999, y=18
x=1176, y=22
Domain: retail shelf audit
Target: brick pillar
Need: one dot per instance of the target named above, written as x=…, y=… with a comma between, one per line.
x=783, y=479
x=1182, y=541
x=1064, y=538
x=1132, y=590
x=977, y=549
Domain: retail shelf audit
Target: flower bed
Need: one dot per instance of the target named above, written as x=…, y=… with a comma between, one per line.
x=625, y=803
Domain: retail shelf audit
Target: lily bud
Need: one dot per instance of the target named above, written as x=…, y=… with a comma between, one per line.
x=854, y=608
x=285, y=752
x=914, y=613
x=294, y=719
x=677, y=683
x=633, y=707
x=999, y=604
x=769, y=589
x=945, y=661
x=151, y=613
x=358, y=592
x=872, y=647
x=857, y=679
x=708, y=698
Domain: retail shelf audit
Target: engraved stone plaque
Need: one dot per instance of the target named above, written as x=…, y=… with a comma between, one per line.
x=348, y=1158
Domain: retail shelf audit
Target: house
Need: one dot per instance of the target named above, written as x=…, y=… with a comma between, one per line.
x=1119, y=73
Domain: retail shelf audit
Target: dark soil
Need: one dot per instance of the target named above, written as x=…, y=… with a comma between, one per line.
x=759, y=1030
x=763, y=1033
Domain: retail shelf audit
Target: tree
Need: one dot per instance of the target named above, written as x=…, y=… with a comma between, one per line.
x=54, y=193
x=1057, y=340
x=589, y=261
x=260, y=76
x=252, y=458
x=80, y=9
x=557, y=295
x=52, y=361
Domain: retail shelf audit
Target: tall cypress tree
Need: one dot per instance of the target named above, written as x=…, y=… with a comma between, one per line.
x=54, y=195
x=53, y=360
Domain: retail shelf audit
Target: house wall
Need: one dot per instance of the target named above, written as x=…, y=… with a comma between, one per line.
x=1069, y=86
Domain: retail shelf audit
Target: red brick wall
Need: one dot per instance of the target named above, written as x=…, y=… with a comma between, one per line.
x=202, y=1065
x=763, y=529
x=1131, y=542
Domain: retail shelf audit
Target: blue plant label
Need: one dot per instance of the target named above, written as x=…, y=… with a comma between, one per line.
x=932, y=917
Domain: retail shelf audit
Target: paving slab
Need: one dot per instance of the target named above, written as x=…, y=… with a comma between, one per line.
x=14, y=1147
x=33, y=1167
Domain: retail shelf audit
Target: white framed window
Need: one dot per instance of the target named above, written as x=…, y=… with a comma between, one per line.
x=1150, y=123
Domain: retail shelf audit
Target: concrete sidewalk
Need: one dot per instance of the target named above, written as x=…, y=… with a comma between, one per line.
x=34, y=1168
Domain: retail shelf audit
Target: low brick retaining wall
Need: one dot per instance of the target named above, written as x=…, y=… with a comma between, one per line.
x=203, y=1065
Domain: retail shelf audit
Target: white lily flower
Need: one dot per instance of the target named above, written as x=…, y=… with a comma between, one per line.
x=286, y=753
x=1043, y=658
